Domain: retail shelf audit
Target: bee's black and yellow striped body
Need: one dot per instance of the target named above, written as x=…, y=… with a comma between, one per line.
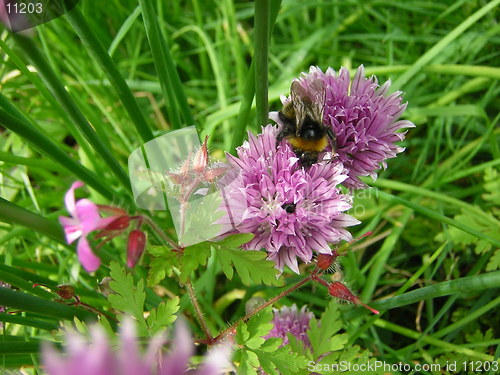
x=303, y=127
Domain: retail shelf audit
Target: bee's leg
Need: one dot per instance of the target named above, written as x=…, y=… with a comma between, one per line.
x=332, y=137
x=280, y=136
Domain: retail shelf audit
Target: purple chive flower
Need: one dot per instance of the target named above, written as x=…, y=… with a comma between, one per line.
x=99, y=358
x=292, y=211
x=362, y=115
x=85, y=218
x=289, y=319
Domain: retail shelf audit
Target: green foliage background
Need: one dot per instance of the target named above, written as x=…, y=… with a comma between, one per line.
x=68, y=112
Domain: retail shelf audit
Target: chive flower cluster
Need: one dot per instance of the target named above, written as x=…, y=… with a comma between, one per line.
x=295, y=211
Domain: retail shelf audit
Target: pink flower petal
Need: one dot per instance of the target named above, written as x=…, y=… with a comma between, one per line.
x=87, y=258
x=69, y=197
x=88, y=213
x=72, y=228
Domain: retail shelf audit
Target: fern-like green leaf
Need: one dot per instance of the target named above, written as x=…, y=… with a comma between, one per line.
x=162, y=265
x=281, y=361
x=128, y=298
x=193, y=257
x=323, y=335
x=251, y=266
x=163, y=315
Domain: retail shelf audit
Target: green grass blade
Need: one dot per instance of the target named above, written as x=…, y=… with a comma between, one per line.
x=7, y=157
x=382, y=256
x=124, y=29
x=436, y=216
x=261, y=57
x=35, y=79
x=249, y=91
x=28, y=322
x=468, y=284
x=459, y=349
x=100, y=55
x=15, y=347
x=27, y=302
x=416, y=190
x=46, y=146
x=443, y=43
x=170, y=82
x=57, y=88
x=11, y=213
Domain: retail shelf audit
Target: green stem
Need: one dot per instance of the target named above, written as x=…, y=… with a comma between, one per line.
x=262, y=307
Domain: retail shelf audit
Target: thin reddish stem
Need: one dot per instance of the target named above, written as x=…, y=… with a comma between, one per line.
x=233, y=327
x=199, y=313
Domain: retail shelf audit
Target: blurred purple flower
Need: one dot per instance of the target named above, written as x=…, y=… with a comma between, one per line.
x=98, y=358
x=362, y=115
x=85, y=218
x=292, y=211
x=289, y=319
x=13, y=20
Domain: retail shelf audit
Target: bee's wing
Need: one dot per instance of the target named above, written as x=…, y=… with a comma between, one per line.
x=317, y=102
x=299, y=98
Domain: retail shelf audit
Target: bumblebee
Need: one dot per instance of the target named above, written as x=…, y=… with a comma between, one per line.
x=303, y=127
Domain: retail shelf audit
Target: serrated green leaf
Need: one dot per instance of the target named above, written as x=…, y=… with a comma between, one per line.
x=272, y=344
x=281, y=361
x=163, y=315
x=106, y=325
x=251, y=266
x=297, y=345
x=322, y=335
x=248, y=362
x=242, y=334
x=251, y=333
x=492, y=186
x=81, y=327
x=129, y=298
x=260, y=324
x=494, y=261
x=158, y=251
x=338, y=341
x=162, y=267
x=193, y=257
x=235, y=241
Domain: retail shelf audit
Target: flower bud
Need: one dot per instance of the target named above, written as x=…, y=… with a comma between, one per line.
x=324, y=261
x=120, y=223
x=65, y=291
x=135, y=247
x=339, y=290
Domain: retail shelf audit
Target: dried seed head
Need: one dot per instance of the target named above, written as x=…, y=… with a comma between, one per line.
x=324, y=261
x=65, y=291
x=339, y=290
